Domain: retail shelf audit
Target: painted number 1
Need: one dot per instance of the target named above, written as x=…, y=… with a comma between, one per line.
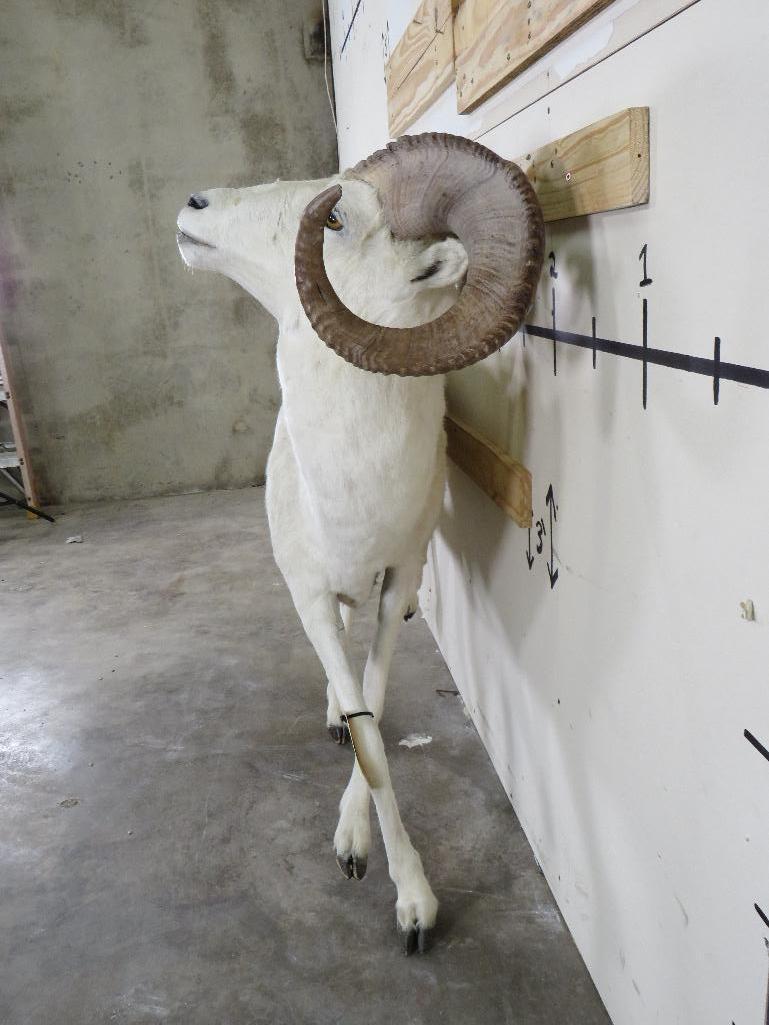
x=642, y=256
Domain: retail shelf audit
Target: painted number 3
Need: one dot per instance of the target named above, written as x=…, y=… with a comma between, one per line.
x=545, y=530
x=541, y=531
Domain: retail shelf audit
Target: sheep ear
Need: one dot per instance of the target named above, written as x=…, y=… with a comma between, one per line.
x=440, y=264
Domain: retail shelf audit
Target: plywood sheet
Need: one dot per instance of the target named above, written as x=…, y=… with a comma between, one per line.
x=422, y=64
x=613, y=705
x=505, y=481
x=494, y=40
x=602, y=167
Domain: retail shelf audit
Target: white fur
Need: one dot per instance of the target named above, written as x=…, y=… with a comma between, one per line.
x=356, y=474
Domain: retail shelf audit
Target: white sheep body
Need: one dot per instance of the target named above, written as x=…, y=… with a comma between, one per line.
x=355, y=477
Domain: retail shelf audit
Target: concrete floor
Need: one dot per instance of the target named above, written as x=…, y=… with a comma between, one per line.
x=168, y=797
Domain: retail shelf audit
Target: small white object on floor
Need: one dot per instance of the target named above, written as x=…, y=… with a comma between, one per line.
x=76, y=539
x=416, y=740
x=748, y=610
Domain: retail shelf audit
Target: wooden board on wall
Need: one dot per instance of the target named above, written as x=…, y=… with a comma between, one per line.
x=422, y=64
x=553, y=71
x=505, y=481
x=602, y=167
x=494, y=40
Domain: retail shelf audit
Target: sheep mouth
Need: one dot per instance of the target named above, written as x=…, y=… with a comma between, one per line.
x=182, y=237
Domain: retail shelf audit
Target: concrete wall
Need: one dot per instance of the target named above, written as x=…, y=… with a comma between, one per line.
x=136, y=378
x=613, y=704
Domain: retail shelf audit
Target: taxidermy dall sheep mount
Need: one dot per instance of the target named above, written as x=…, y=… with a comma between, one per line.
x=421, y=259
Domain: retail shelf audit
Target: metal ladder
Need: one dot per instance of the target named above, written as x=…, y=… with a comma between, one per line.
x=13, y=450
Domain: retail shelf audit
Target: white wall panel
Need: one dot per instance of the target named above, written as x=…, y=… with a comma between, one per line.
x=613, y=704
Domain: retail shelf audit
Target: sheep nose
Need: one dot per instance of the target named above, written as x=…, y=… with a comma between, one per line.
x=197, y=202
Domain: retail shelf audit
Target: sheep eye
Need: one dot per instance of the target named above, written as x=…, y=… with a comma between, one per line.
x=333, y=222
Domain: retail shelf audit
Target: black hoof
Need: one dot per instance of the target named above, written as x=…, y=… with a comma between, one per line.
x=414, y=940
x=353, y=866
x=339, y=734
x=409, y=615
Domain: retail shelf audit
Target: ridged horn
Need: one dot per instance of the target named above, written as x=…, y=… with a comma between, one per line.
x=434, y=185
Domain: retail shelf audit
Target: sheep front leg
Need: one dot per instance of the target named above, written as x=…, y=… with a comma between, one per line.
x=416, y=905
x=397, y=601
x=338, y=730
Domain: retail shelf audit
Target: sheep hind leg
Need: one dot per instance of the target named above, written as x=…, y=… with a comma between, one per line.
x=416, y=905
x=338, y=730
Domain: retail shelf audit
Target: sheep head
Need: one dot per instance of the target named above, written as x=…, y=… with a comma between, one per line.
x=249, y=235
x=361, y=251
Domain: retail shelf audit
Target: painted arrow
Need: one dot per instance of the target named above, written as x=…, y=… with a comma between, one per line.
x=552, y=572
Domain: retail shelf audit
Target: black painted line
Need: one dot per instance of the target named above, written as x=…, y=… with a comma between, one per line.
x=349, y=27
x=716, y=375
x=756, y=744
x=754, y=376
x=555, y=338
x=761, y=915
x=593, y=343
x=645, y=347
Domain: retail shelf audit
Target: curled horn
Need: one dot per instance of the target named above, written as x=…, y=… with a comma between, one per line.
x=434, y=185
